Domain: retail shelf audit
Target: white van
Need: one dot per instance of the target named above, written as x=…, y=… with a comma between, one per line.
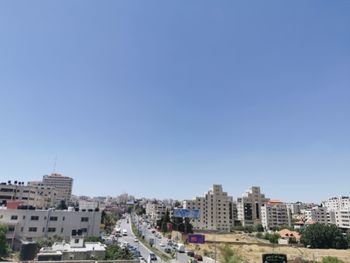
x=180, y=248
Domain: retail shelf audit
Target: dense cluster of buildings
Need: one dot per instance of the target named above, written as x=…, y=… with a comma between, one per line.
x=34, y=211
x=47, y=208
x=221, y=212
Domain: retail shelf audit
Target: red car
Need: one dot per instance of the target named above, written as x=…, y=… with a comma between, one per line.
x=198, y=257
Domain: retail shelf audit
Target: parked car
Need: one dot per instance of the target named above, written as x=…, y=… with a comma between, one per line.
x=167, y=250
x=198, y=257
x=190, y=254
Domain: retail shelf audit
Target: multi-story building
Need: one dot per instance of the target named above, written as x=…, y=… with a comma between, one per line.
x=249, y=206
x=216, y=210
x=27, y=224
x=35, y=194
x=342, y=218
x=274, y=214
x=45, y=195
x=296, y=208
x=156, y=210
x=320, y=215
x=336, y=203
x=62, y=184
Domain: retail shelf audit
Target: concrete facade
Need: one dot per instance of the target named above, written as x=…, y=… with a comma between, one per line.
x=216, y=210
x=36, y=224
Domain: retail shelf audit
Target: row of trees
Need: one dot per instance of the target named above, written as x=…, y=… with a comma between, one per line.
x=324, y=236
x=178, y=223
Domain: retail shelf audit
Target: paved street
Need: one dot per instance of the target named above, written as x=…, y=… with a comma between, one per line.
x=147, y=233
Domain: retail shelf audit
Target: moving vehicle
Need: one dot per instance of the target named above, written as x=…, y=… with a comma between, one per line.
x=151, y=257
x=125, y=232
x=180, y=248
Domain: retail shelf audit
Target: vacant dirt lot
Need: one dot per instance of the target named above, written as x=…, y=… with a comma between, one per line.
x=253, y=251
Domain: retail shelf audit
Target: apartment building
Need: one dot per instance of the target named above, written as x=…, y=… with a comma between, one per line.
x=156, y=210
x=249, y=206
x=342, y=218
x=62, y=184
x=337, y=203
x=319, y=214
x=216, y=210
x=35, y=195
x=26, y=224
x=296, y=208
x=274, y=214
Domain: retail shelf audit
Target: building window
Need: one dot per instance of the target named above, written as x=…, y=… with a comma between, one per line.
x=14, y=217
x=51, y=229
x=84, y=219
x=11, y=229
x=53, y=218
x=34, y=218
x=62, y=230
x=76, y=241
x=84, y=230
x=24, y=217
x=32, y=229
x=63, y=218
x=43, y=229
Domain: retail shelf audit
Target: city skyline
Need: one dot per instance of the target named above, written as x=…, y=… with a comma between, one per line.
x=166, y=99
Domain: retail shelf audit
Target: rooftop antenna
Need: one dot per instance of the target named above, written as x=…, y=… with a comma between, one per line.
x=54, y=165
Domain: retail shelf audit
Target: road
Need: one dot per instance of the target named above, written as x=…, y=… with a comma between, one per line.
x=147, y=233
x=130, y=238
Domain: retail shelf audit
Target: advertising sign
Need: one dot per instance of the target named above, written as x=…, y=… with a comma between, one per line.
x=196, y=239
x=190, y=213
x=274, y=258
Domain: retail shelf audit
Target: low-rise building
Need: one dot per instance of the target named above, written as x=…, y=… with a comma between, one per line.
x=28, y=224
x=76, y=249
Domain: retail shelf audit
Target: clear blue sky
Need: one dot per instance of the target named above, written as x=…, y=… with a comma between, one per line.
x=165, y=98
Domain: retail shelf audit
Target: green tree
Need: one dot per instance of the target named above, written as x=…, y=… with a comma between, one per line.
x=273, y=238
x=115, y=252
x=4, y=247
x=230, y=256
x=108, y=220
x=324, y=236
x=332, y=260
x=258, y=228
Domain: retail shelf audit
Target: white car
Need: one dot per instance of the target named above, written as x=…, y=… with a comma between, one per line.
x=162, y=244
x=136, y=240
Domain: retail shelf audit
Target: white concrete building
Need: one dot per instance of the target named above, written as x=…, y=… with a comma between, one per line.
x=274, y=214
x=76, y=249
x=216, y=210
x=156, y=210
x=35, y=224
x=336, y=203
x=320, y=215
x=62, y=184
x=249, y=206
x=342, y=217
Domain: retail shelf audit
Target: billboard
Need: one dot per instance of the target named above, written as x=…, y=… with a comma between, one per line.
x=183, y=212
x=196, y=239
x=274, y=258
